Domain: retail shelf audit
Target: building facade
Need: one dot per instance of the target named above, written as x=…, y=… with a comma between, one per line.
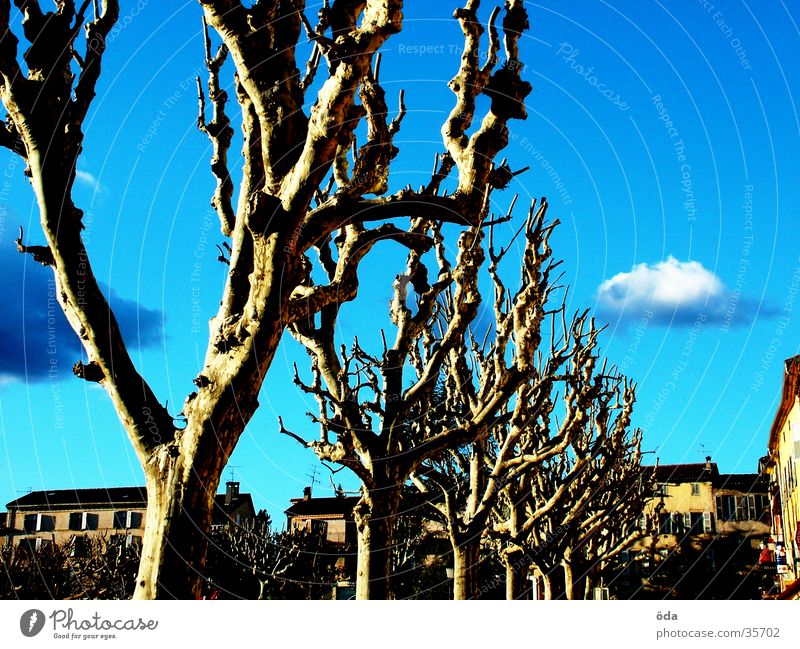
x=781, y=463
x=44, y=517
x=704, y=536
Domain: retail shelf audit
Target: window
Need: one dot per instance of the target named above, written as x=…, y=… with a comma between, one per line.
x=671, y=523
x=120, y=520
x=76, y=521
x=752, y=507
x=80, y=546
x=319, y=527
x=31, y=522
x=695, y=488
x=708, y=524
x=135, y=520
x=39, y=523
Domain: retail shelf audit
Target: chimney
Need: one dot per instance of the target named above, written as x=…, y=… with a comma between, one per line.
x=708, y=463
x=306, y=493
x=231, y=492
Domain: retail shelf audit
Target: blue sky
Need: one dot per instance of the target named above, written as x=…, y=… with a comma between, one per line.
x=664, y=135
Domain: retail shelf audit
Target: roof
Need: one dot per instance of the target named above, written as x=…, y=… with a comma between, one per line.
x=336, y=507
x=128, y=497
x=686, y=472
x=748, y=482
x=238, y=502
x=81, y=498
x=789, y=393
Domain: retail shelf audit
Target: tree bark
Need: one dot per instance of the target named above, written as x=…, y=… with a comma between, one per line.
x=569, y=583
x=375, y=515
x=465, y=564
x=515, y=577
x=180, y=502
x=548, y=587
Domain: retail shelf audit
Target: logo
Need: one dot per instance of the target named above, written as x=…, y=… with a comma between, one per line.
x=31, y=622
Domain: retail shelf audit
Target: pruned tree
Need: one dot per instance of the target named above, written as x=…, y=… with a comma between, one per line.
x=546, y=515
x=103, y=567
x=384, y=428
x=615, y=519
x=297, y=191
x=85, y=567
x=252, y=561
x=470, y=480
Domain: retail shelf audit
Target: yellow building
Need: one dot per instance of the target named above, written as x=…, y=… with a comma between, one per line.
x=781, y=464
x=40, y=518
x=703, y=533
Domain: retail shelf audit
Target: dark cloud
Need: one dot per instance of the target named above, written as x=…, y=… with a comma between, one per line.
x=35, y=339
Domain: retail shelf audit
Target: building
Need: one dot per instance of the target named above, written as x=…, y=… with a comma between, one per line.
x=43, y=517
x=781, y=465
x=331, y=517
x=705, y=532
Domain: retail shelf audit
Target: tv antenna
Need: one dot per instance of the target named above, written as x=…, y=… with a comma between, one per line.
x=313, y=476
x=233, y=467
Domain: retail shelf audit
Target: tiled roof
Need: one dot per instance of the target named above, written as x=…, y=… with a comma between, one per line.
x=686, y=472
x=749, y=482
x=699, y=472
x=113, y=497
x=81, y=498
x=336, y=506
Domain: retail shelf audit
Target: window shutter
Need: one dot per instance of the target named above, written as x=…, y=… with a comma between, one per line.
x=687, y=522
x=707, y=522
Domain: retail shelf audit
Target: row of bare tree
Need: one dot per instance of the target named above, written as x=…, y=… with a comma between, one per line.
x=507, y=422
x=515, y=433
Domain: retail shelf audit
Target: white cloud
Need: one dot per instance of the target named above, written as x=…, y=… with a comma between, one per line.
x=672, y=291
x=87, y=179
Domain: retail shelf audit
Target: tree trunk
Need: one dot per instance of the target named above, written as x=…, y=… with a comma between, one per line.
x=515, y=577
x=569, y=583
x=180, y=503
x=375, y=515
x=465, y=563
x=548, y=586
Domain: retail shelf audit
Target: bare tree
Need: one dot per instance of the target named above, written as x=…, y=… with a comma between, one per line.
x=548, y=515
x=85, y=567
x=383, y=428
x=251, y=561
x=470, y=480
x=612, y=521
x=286, y=205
